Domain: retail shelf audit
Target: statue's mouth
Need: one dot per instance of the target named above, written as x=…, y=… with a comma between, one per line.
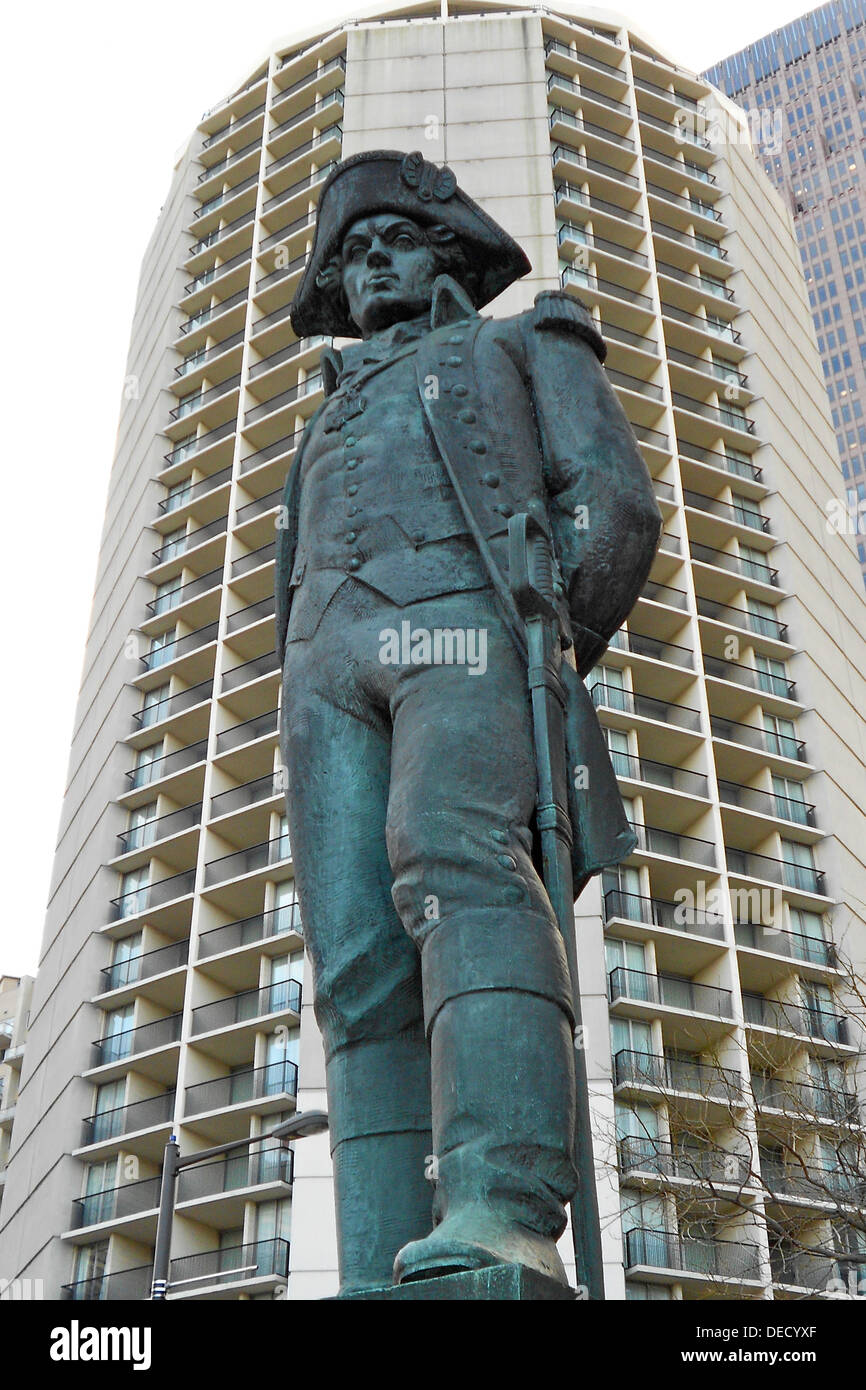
x=380, y=282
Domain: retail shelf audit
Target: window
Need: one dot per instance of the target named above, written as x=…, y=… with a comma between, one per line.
x=133, y=890
x=145, y=759
x=781, y=736
x=810, y=941
x=281, y=1063
x=162, y=648
x=626, y=967
x=286, y=910
x=791, y=801
x=89, y=1267
x=284, y=971
x=98, y=1199
x=140, y=818
x=150, y=708
x=126, y=965
x=177, y=495
x=746, y=512
x=772, y=675
x=108, y=1104
x=799, y=867
x=174, y=542
x=621, y=886
x=618, y=747
x=609, y=682
x=165, y=599
x=753, y=563
x=117, y=1034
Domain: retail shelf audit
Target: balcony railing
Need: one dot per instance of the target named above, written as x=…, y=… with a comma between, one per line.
x=127, y=1119
x=144, y=966
x=766, y=681
x=125, y=1285
x=801, y=1099
x=173, y=598
x=206, y=355
x=247, y=794
x=151, y=895
x=261, y=927
x=751, y=736
x=714, y=1259
x=735, y=564
x=567, y=192
x=114, y=1047
x=672, y=991
x=254, y=559
x=642, y=644
x=247, y=671
x=233, y=1264
x=836, y=1184
x=803, y=1270
x=192, y=491
x=250, y=729
x=269, y=1164
x=759, y=623
x=166, y=708
x=639, y=1154
x=628, y=702
x=152, y=831
x=184, y=544
x=778, y=941
x=130, y=1199
x=257, y=1083
x=802, y=877
x=654, y=840
x=678, y=779
x=180, y=646
x=656, y=912
x=739, y=513
x=283, y=997
x=678, y=1075
x=786, y=1017
x=787, y=808
x=741, y=468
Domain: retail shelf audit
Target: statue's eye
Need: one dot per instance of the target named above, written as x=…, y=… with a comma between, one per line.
x=355, y=252
x=404, y=240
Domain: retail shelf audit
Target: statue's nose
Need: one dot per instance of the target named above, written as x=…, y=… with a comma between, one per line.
x=378, y=254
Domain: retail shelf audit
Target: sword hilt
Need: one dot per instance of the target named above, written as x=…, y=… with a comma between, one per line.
x=532, y=571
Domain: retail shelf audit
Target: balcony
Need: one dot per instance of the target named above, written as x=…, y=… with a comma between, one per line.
x=235, y=676
x=212, y=1271
x=247, y=794
x=656, y=912
x=802, y=1270
x=679, y=779
x=151, y=895
x=735, y=564
x=161, y=828
x=127, y=1119
x=278, y=449
x=614, y=697
x=191, y=492
x=565, y=192
x=167, y=708
x=232, y=126
x=143, y=967
x=643, y=644
x=758, y=623
x=804, y=1101
x=259, y=1168
x=787, y=808
x=249, y=730
x=678, y=1076
x=835, y=1185
x=278, y=1080
x=707, y=1259
x=284, y=997
x=253, y=559
x=205, y=356
x=643, y=1157
x=765, y=681
x=801, y=877
x=125, y=1285
x=180, y=646
x=166, y=766
x=652, y=839
x=738, y=513
x=251, y=930
x=115, y=1203
x=669, y=991
x=173, y=548
x=765, y=740
x=194, y=588
x=740, y=468
x=115, y=1047
x=784, y=1017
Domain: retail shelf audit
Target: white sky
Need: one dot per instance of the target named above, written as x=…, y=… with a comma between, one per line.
x=98, y=99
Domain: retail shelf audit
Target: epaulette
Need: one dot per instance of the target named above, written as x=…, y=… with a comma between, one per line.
x=556, y=310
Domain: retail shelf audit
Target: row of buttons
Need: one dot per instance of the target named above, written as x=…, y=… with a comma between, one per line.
x=467, y=416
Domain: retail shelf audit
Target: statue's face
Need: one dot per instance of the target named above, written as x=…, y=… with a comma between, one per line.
x=388, y=271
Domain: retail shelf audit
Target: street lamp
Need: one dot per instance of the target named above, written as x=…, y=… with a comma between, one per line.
x=298, y=1127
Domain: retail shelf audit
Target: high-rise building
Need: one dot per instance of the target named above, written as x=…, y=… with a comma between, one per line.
x=15, y=994
x=719, y=963
x=804, y=88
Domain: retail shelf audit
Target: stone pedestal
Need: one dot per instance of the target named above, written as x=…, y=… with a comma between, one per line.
x=496, y=1284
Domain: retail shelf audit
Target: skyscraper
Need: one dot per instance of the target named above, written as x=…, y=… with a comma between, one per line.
x=718, y=963
x=804, y=87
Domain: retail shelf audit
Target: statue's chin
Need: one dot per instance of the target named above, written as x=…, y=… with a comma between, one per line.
x=382, y=313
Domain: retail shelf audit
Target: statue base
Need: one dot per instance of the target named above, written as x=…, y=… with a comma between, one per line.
x=495, y=1284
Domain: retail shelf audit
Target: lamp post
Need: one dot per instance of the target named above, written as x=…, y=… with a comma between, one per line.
x=298, y=1127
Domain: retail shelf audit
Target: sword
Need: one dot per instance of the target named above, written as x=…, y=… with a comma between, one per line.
x=531, y=577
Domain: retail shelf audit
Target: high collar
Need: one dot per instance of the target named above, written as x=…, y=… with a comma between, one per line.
x=449, y=303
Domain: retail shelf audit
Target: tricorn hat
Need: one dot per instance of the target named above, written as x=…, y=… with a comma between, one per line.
x=393, y=181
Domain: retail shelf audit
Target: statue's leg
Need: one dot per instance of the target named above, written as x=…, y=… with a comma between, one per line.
x=366, y=971
x=496, y=988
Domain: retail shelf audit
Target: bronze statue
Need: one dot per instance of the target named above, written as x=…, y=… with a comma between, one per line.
x=408, y=730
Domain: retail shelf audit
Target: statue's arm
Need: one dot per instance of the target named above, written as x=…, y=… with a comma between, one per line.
x=605, y=520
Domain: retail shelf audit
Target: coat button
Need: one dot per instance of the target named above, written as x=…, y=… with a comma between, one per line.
x=417, y=537
x=491, y=480
x=350, y=537
x=455, y=338
x=350, y=441
x=478, y=446
x=351, y=463
x=352, y=511
x=467, y=416
x=355, y=562
x=454, y=360
x=504, y=509
x=460, y=389
x=507, y=862
x=352, y=489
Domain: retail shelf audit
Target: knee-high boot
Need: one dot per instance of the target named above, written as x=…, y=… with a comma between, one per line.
x=497, y=1005
x=379, y=1113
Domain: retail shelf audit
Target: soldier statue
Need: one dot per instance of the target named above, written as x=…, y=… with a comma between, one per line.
x=441, y=980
